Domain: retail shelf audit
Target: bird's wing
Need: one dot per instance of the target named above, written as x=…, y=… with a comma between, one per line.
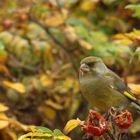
x=117, y=84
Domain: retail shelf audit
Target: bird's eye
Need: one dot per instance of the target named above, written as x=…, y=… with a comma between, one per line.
x=90, y=64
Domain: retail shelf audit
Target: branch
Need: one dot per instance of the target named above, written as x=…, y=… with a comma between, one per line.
x=57, y=42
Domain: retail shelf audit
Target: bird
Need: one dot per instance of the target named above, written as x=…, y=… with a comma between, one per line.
x=102, y=87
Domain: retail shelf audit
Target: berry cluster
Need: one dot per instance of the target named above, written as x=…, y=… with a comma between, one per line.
x=98, y=125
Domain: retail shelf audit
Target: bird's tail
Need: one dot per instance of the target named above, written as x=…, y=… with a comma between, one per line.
x=133, y=100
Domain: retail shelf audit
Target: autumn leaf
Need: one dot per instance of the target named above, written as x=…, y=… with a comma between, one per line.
x=4, y=70
x=47, y=133
x=57, y=19
x=3, y=108
x=16, y=86
x=135, y=88
x=70, y=34
x=46, y=80
x=87, y=5
x=47, y=112
x=30, y=134
x=3, y=53
x=54, y=105
x=59, y=135
x=63, y=137
x=122, y=38
x=85, y=44
x=71, y=124
x=3, y=124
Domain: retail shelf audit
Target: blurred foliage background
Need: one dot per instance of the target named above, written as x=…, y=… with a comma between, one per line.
x=41, y=45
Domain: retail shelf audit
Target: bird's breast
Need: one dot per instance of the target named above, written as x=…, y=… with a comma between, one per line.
x=99, y=94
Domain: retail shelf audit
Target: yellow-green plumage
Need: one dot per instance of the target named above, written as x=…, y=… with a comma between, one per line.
x=101, y=87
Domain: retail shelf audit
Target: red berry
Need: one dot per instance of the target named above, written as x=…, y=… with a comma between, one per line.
x=96, y=124
x=123, y=120
x=8, y=23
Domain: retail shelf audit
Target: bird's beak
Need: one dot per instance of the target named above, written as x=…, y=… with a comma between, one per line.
x=84, y=68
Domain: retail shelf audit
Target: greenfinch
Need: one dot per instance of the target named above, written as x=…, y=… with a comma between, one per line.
x=102, y=88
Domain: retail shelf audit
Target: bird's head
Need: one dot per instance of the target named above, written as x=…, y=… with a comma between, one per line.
x=92, y=65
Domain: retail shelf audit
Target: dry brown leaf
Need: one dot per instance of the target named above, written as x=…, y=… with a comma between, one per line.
x=4, y=70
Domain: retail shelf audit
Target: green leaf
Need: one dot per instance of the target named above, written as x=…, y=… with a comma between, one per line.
x=57, y=132
x=74, y=21
x=42, y=129
x=1, y=45
x=2, y=49
x=135, y=8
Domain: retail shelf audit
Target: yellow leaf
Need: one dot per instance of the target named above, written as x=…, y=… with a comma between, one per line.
x=119, y=36
x=127, y=41
x=71, y=124
x=27, y=139
x=122, y=38
x=87, y=5
x=132, y=78
x=70, y=34
x=23, y=137
x=54, y=105
x=135, y=88
x=16, y=86
x=3, y=124
x=48, y=112
x=63, y=137
x=3, y=116
x=11, y=133
x=85, y=44
x=6, y=37
x=3, y=108
x=3, y=58
x=41, y=134
x=46, y=80
x=34, y=135
x=57, y=19
x=69, y=82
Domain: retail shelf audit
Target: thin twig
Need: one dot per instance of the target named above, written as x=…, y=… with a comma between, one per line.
x=111, y=135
